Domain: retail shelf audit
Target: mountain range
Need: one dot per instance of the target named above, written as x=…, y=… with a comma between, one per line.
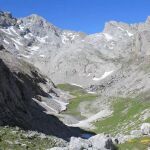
x=37, y=58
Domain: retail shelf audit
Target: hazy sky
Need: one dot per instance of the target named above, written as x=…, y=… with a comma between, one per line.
x=81, y=15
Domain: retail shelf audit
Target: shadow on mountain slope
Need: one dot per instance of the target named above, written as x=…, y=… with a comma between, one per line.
x=17, y=107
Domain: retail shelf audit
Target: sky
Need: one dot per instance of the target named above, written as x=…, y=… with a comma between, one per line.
x=87, y=16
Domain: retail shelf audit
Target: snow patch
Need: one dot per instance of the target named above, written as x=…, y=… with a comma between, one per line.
x=110, y=47
x=26, y=56
x=97, y=34
x=42, y=56
x=64, y=39
x=21, y=27
x=76, y=85
x=34, y=48
x=62, y=104
x=6, y=41
x=87, y=122
x=7, y=31
x=108, y=36
x=43, y=39
x=128, y=33
x=16, y=46
x=17, y=41
x=13, y=30
x=68, y=36
x=88, y=74
x=103, y=76
x=90, y=92
x=27, y=36
x=73, y=36
x=120, y=28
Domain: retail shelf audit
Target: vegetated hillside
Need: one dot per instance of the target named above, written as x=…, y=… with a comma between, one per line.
x=106, y=114
x=18, y=139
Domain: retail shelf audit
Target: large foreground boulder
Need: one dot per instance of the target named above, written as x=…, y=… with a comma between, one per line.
x=79, y=143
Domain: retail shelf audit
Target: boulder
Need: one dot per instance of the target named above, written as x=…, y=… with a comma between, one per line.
x=145, y=128
x=103, y=142
x=79, y=143
x=100, y=141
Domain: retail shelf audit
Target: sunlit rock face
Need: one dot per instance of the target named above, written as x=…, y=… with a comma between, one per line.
x=75, y=57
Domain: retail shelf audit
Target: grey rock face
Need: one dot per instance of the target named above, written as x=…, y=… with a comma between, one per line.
x=47, y=47
x=130, y=80
x=68, y=56
x=74, y=57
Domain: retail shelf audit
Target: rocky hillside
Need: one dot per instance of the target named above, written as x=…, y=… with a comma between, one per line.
x=25, y=98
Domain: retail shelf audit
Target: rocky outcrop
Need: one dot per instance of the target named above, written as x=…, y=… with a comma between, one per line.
x=6, y=19
x=98, y=142
x=145, y=128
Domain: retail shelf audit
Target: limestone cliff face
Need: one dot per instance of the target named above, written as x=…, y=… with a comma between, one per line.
x=69, y=56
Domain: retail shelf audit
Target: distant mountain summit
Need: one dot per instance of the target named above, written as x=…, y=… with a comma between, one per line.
x=73, y=57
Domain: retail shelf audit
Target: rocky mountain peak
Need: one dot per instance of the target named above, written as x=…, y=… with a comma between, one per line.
x=114, y=25
x=35, y=19
x=8, y=14
x=38, y=21
x=6, y=19
x=39, y=26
